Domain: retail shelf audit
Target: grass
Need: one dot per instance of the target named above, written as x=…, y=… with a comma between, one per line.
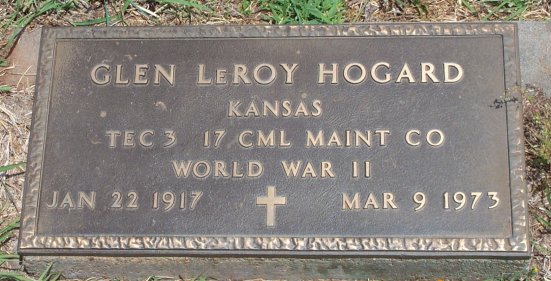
x=304, y=11
x=419, y=5
x=22, y=13
x=16, y=15
x=537, y=126
x=538, y=138
x=28, y=10
x=544, y=218
x=527, y=274
x=4, y=169
x=6, y=233
x=47, y=275
x=537, y=122
x=5, y=88
x=481, y=10
x=513, y=9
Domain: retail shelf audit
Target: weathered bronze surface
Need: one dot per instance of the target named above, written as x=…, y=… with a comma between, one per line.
x=182, y=141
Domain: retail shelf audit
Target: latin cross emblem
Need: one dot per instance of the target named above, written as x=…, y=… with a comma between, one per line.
x=271, y=201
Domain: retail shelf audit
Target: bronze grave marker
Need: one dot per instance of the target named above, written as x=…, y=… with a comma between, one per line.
x=333, y=143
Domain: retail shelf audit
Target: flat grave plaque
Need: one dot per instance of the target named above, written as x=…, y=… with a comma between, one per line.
x=384, y=140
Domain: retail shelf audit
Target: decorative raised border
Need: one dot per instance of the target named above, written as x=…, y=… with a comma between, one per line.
x=518, y=242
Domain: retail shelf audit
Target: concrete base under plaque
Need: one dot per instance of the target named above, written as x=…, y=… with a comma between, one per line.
x=139, y=268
